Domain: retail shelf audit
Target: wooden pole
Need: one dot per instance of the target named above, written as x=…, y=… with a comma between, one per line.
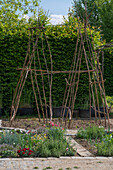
x=89, y=75
x=43, y=85
x=72, y=67
x=35, y=96
x=21, y=83
x=71, y=79
x=92, y=65
x=50, y=98
x=74, y=98
x=101, y=94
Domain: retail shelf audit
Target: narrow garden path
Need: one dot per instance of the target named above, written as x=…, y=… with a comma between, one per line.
x=69, y=163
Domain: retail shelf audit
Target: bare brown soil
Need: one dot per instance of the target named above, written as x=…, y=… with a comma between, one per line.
x=30, y=123
x=33, y=123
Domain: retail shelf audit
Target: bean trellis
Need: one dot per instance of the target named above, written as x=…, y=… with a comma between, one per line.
x=96, y=82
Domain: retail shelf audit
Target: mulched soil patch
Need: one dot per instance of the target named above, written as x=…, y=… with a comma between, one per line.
x=33, y=123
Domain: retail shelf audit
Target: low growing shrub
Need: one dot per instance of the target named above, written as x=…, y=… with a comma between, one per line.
x=10, y=138
x=55, y=133
x=55, y=146
x=91, y=133
x=8, y=151
x=82, y=133
x=105, y=148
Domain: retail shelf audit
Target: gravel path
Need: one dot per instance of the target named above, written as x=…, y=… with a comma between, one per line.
x=69, y=163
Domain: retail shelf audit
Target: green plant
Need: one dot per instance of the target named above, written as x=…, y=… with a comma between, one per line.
x=37, y=139
x=76, y=167
x=93, y=132
x=81, y=133
x=35, y=167
x=109, y=101
x=50, y=148
x=7, y=150
x=105, y=148
x=16, y=139
x=10, y=137
x=56, y=145
x=55, y=133
x=48, y=167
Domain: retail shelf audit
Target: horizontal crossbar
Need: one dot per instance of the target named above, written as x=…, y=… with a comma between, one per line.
x=56, y=72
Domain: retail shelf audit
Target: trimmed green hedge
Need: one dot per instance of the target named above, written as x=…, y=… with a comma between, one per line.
x=108, y=71
x=62, y=40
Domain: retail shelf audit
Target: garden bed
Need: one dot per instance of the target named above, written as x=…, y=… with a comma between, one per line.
x=42, y=142
x=96, y=140
x=33, y=123
x=34, y=134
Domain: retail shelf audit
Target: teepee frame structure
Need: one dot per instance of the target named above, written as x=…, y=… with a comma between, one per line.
x=95, y=76
x=96, y=82
x=29, y=59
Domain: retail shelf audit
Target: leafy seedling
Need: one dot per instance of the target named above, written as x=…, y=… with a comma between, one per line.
x=35, y=167
x=76, y=167
x=48, y=167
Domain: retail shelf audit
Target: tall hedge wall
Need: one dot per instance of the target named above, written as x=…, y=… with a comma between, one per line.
x=62, y=40
x=108, y=71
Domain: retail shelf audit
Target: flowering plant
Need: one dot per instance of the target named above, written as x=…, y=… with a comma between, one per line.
x=37, y=139
x=52, y=124
x=25, y=152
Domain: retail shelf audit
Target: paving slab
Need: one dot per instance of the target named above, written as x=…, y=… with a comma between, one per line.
x=79, y=149
x=70, y=132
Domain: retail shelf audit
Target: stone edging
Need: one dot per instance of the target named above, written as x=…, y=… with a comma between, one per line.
x=11, y=128
x=53, y=158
